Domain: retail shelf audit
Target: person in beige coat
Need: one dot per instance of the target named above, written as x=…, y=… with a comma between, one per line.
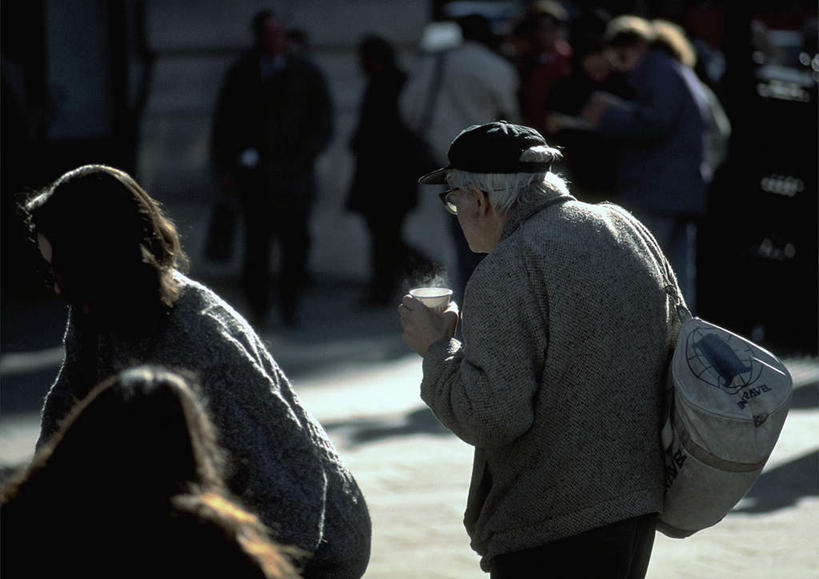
x=558, y=381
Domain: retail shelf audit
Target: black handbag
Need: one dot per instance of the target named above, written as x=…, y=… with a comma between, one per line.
x=221, y=232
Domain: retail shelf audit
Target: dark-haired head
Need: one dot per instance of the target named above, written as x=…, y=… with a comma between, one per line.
x=269, y=33
x=476, y=27
x=145, y=428
x=110, y=242
x=133, y=485
x=375, y=53
x=586, y=32
x=258, y=20
x=136, y=440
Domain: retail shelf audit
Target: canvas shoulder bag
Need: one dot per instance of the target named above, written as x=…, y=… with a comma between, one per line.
x=727, y=404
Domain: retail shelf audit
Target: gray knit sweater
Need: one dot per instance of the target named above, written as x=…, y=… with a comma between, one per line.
x=285, y=466
x=558, y=382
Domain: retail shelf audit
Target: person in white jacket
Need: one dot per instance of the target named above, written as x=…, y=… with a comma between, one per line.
x=454, y=88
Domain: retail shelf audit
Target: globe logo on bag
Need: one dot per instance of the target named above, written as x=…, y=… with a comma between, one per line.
x=725, y=363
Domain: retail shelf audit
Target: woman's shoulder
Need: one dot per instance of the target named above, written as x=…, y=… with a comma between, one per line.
x=194, y=295
x=205, y=328
x=659, y=63
x=200, y=307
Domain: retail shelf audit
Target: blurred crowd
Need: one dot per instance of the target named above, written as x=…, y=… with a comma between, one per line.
x=572, y=70
x=629, y=101
x=636, y=105
x=632, y=103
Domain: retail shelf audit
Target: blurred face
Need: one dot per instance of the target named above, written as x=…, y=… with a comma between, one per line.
x=273, y=37
x=546, y=32
x=47, y=252
x=596, y=66
x=626, y=58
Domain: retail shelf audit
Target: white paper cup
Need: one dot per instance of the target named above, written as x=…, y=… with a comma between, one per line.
x=435, y=298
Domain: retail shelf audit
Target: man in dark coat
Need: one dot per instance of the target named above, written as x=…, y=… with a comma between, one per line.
x=273, y=118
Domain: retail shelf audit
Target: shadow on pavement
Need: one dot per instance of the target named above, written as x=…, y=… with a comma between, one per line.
x=783, y=486
x=805, y=397
x=360, y=432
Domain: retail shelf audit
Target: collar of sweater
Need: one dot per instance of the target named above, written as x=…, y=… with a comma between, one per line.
x=520, y=212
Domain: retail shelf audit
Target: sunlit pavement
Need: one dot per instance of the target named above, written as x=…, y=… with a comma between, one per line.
x=355, y=375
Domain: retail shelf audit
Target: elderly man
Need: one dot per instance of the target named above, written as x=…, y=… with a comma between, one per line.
x=558, y=381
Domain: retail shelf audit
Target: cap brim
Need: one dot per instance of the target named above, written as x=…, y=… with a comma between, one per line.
x=436, y=177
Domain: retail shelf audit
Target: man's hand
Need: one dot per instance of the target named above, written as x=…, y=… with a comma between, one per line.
x=594, y=108
x=597, y=105
x=423, y=326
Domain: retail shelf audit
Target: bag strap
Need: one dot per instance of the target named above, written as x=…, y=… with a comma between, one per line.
x=671, y=288
x=433, y=92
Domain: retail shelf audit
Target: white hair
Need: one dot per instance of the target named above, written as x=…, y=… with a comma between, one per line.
x=505, y=189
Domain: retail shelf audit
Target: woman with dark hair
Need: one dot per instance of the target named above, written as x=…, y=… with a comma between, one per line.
x=132, y=484
x=105, y=226
x=115, y=257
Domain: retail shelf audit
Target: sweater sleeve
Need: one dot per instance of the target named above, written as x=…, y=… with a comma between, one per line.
x=274, y=461
x=655, y=111
x=483, y=389
x=69, y=385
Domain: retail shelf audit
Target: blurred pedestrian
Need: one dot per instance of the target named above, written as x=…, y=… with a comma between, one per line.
x=661, y=133
x=717, y=127
x=132, y=485
x=590, y=158
x=475, y=85
x=115, y=258
x=546, y=59
x=377, y=165
x=558, y=383
x=272, y=120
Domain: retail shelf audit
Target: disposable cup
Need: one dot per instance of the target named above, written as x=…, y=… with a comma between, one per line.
x=435, y=298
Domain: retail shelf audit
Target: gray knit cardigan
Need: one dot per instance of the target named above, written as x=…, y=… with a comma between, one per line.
x=285, y=467
x=558, y=382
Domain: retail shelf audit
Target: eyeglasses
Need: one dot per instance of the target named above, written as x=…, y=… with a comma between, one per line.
x=448, y=199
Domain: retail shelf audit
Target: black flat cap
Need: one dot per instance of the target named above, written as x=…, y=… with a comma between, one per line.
x=491, y=148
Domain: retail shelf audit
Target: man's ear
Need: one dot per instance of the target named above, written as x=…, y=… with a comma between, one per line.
x=482, y=205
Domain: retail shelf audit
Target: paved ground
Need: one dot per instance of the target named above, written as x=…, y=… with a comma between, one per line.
x=356, y=376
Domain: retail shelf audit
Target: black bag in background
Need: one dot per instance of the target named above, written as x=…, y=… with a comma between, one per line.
x=221, y=232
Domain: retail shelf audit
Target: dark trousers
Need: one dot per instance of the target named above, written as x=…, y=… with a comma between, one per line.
x=618, y=551
x=288, y=227
x=677, y=237
x=389, y=255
